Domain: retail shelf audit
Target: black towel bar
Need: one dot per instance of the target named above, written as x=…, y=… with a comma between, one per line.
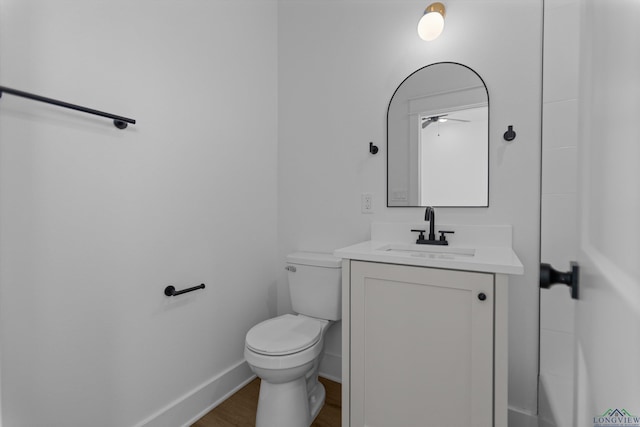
x=118, y=121
x=170, y=291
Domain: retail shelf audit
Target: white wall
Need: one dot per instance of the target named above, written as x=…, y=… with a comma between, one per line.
x=559, y=207
x=339, y=64
x=95, y=221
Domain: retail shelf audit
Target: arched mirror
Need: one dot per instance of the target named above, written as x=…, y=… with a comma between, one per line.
x=438, y=139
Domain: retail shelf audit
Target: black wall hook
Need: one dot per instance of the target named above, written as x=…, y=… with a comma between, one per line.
x=510, y=134
x=373, y=149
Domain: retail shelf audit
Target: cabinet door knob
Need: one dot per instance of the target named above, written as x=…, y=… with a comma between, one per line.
x=482, y=296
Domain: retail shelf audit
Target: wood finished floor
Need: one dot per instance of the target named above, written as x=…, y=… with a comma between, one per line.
x=240, y=409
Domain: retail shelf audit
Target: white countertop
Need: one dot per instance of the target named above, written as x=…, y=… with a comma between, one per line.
x=490, y=259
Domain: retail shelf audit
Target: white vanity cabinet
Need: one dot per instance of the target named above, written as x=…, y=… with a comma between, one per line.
x=423, y=347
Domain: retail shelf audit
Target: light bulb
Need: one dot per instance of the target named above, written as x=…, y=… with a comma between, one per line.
x=432, y=22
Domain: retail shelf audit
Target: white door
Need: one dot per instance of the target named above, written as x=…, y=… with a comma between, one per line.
x=608, y=311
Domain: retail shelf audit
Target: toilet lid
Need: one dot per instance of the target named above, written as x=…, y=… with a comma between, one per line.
x=285, y=334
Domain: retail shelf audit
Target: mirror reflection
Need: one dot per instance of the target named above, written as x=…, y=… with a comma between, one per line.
x=438, y=139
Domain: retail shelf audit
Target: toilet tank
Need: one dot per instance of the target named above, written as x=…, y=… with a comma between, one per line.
x=315, y=284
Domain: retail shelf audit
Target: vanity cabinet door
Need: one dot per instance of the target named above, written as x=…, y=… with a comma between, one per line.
x=421, y=346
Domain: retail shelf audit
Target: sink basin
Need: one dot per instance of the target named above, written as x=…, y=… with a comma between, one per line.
x=475, y=248
x=427, y=250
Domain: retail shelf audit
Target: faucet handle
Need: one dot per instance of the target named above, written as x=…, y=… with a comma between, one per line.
x=443, y=238
x=421, y=236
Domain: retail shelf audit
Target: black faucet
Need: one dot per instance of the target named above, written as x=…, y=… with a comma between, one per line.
x=430, y=215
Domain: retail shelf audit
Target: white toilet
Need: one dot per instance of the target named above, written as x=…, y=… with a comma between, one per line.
x=285, y=351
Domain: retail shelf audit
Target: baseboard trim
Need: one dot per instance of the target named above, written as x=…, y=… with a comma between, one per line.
x=181, y=411
x=331, y=367
x=520, y=418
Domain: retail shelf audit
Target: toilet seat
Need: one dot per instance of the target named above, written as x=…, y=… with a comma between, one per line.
x=284, y=335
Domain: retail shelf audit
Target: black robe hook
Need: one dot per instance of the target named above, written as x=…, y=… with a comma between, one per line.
x=510, y=134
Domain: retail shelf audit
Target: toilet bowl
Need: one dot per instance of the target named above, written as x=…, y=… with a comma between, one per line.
x=285, y=351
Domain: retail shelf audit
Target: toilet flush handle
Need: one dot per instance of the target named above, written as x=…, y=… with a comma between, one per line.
x=290, y=268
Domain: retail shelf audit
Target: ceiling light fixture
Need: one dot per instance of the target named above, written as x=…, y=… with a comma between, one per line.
x=432, y=22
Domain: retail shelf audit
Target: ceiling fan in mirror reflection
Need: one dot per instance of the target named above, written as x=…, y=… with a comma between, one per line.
x=426, y=121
